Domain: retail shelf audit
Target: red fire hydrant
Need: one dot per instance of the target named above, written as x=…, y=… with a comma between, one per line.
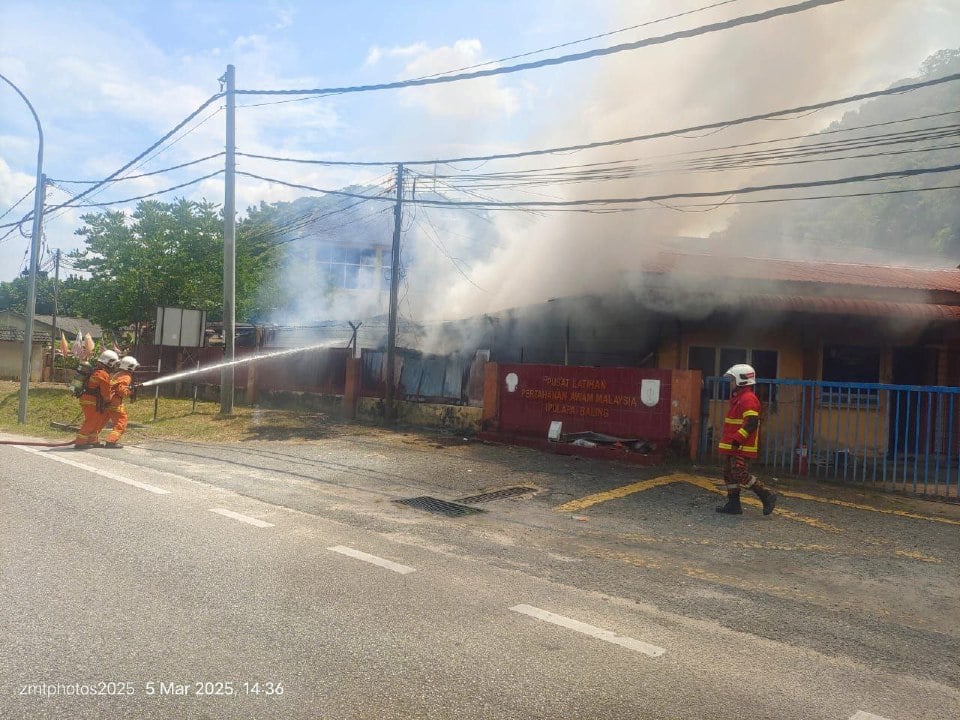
x=801, y=459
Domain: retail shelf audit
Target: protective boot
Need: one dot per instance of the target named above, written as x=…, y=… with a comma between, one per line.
x=768, y=499
x=732, y=506
x=112, y=445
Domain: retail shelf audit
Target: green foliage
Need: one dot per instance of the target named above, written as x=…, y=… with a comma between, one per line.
x=907, y=223
x=165, y=254
x=13, y=294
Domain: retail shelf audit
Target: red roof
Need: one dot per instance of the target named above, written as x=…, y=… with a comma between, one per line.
x=848, y=306
x=821, y=273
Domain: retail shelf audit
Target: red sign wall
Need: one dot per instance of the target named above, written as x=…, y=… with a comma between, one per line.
x=605, y=400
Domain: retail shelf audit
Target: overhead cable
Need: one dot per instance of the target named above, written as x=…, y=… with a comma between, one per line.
x=112, y=176
x=148, y=195
x=13, y=207
x=583, y=40
x=599, y=52
x=897, y=90
x=547, y=204
x=141, y=175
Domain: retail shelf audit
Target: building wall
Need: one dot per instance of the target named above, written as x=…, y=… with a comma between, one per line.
x=11, y=361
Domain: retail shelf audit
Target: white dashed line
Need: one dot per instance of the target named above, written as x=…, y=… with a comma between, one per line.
x=389, y=565
x=861, y=715
x=95, y=470
x=592, y=631
x=241, y=518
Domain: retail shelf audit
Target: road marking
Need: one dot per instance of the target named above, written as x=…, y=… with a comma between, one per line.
x=614, y=494
x=870, y=508
x=96, y=471
x=389, y=565
x=241, y=518
x=707, y=484
x=591, y=630
x=861, y=715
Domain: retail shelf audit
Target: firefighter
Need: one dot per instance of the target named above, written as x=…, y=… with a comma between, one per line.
x=95, y=396
x=122, y=386
x=740, y=441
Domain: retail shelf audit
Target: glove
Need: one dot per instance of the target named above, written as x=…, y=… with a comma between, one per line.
x=735, y=444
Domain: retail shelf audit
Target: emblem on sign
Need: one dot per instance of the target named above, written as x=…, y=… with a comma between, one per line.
x=650, y=392
x=512, y=381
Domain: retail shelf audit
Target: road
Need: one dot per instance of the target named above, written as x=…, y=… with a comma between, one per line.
x=280, y=580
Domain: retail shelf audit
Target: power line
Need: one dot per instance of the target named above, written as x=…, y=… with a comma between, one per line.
x=191, y=116
x=299, y=186
x=599, y=52
x=820, y=151
x=583, y=40
x=526, y=54
x=148, y=195
x=12, y=207
x=722, y=124
x=545, y=204
x=142, y=175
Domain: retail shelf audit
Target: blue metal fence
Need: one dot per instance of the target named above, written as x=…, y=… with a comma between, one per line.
x=892, y=437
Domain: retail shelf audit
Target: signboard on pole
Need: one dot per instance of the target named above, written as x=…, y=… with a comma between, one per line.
x=180, y=327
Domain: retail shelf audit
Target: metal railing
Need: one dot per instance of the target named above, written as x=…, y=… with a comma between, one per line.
x=893, y=437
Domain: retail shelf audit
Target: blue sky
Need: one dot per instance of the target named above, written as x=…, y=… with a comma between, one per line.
x=110, y=78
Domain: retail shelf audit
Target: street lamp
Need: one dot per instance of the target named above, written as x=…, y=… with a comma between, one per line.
x=34, y=253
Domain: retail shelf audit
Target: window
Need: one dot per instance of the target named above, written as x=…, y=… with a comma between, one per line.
x=703, y=359
x=349, y=268
x=712, y=362
x=849, y=364
x=846, y=363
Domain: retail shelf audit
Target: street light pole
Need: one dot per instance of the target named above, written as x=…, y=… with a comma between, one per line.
x=34, y=255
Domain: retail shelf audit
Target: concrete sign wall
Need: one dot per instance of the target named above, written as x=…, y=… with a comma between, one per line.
x=625, y=402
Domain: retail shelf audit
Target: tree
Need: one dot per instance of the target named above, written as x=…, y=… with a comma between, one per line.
x=164, y=254
x=900, y=223
x=13, y=294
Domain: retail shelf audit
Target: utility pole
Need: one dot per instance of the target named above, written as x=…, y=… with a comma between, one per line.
x=390, y=411
x=32, y=291
x=229, y=246
x=34, y=252
x=53, y=332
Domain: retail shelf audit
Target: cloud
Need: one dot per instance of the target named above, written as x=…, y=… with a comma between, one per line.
x=373, y=57
x=480, y=98
x=285, y=15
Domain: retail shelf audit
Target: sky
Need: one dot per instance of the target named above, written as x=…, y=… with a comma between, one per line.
x=109, y=79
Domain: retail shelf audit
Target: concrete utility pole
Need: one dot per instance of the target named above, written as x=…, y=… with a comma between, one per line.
x=34, y=253
x=53, y=332
x=390, y=410
x=229, y=246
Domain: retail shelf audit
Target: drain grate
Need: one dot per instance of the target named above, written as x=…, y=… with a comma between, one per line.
x=441, y=507
x=497, y=494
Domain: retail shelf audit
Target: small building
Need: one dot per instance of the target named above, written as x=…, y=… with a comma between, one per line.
x=12, y=327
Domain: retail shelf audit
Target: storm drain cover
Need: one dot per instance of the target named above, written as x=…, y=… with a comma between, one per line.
x=441, y=507
x=497, y=494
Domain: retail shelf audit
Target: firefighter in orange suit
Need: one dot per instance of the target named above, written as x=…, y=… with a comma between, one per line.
x=740, y=442
x=120, y=382
x=94, y=399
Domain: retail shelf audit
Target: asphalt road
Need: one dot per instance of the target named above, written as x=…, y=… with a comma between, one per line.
x=280, y=580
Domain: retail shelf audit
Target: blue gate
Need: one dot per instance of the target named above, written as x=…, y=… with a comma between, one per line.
x=892, y=437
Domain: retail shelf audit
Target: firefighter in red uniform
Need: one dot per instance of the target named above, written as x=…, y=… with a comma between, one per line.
x=740, y=442
x=94, y=399
x=116, y=412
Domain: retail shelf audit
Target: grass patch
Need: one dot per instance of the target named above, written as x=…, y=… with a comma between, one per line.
x=176, y=418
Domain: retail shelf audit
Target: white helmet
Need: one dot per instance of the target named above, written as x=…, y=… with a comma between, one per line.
x=129, y=362
x=108, y=358
x=742, y=374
